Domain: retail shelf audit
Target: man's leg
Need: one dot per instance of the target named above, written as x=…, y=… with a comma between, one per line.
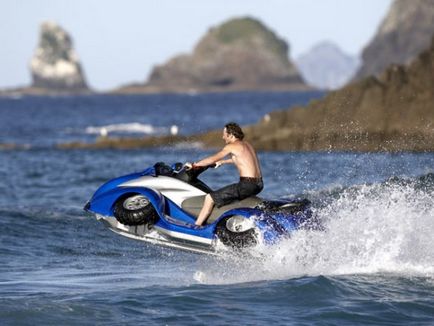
x=208, y=205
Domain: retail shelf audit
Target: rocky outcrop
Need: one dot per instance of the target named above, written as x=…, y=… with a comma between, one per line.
x=406, y=31
x=393, y=112
x=326, y=66
x=55, y=65
x=239, y=54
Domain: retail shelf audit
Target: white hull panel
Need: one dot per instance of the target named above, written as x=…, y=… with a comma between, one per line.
x=168, y=239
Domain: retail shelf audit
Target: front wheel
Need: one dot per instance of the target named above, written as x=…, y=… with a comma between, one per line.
x=237, y=232
x=135, y=210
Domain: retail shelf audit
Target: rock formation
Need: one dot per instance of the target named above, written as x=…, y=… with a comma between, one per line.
x=326, y=66
x=405, y=32
x=55, y=65
x=394, y=112
x=239, y=54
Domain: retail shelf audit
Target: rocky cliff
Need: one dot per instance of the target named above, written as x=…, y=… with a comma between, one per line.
x=55, y=65
x=326, y=66
x=405, y=31
x=239, y=54
x=392, y=112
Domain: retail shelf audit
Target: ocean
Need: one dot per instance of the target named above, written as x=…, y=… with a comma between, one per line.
x=373, y=264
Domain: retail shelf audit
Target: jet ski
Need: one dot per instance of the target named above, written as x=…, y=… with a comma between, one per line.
x=160, y=205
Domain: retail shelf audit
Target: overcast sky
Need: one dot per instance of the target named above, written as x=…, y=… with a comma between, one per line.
x=119, y=42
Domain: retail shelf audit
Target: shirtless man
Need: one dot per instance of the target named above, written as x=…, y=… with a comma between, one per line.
x=245, y=159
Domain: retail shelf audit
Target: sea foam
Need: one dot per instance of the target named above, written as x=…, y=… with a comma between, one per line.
x=378, y=228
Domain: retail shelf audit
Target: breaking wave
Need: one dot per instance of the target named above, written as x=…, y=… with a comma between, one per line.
x=133, y=127
x=370, y=228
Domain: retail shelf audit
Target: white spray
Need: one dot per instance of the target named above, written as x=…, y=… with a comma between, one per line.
x=382, y=228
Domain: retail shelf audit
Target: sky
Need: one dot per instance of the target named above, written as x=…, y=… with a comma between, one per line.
x=119, y=41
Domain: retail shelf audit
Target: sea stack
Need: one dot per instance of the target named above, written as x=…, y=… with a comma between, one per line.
x=55, y=65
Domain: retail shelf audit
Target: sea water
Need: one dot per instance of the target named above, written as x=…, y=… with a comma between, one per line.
x=372, y=264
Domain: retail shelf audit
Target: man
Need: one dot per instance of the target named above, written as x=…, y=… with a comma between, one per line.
x=245, y=159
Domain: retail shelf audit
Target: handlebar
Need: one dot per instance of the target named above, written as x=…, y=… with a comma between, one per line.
x=193, y=172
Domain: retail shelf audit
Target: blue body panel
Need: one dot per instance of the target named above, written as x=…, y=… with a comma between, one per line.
x=272, y=225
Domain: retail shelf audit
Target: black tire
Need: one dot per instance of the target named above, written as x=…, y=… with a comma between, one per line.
x=237, y=240
x=141, y=213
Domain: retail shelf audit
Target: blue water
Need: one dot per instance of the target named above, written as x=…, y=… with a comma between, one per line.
x=373, y=264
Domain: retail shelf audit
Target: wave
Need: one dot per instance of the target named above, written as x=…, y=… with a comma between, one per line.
x=133, y=127
x=369, y=229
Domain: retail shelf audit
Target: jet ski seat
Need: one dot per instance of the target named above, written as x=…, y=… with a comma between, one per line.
x=193, y=206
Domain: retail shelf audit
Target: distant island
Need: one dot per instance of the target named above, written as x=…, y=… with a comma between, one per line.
x=325, y=66
x=240, y=54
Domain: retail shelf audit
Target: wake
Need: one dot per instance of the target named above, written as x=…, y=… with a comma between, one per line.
x=368, y=229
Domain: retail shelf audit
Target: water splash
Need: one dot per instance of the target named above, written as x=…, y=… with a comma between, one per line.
x=377, y=228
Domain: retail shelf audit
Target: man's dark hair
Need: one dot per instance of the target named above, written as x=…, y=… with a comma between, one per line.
x=233, y=128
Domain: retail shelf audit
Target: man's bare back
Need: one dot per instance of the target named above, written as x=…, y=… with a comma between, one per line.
x=245, y=159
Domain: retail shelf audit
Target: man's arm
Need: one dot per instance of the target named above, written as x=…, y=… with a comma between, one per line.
x=216, y=157
x=221, y=162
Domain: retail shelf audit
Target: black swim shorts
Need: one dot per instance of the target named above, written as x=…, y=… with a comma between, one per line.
x=246, y=187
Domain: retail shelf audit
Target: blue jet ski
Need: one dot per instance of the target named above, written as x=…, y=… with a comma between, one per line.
x=160, y=205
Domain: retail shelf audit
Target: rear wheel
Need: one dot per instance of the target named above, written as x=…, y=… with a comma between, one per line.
x=135, y=210
x=237, y=232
